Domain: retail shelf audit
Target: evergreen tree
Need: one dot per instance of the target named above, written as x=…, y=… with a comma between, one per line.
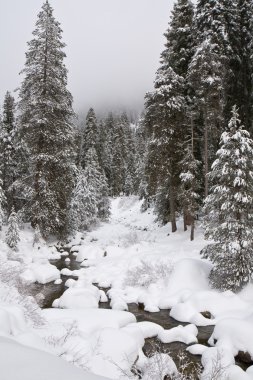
x=210, y=75
x=90, y=135
x=242, y=67
x=98, y=184
x=206, y=78
x=2, y=203
x=12, y=234
x=90, y=202
x=180, y=38
x=228, y=208
x=45, y=126
x=83, y=206
x=106, y=132
x=118, y=163
x=37, y=240
x=164, y=117
x=189, y=188
x=7, y=143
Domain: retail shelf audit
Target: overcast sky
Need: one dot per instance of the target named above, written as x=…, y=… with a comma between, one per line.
x=113, y=47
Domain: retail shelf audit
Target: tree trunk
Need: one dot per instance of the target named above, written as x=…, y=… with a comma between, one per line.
x=185, y=221
x=192, y=229
x=172, y=208
x=206, y=154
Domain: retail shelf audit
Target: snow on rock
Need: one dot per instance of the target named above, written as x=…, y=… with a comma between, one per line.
x=185, y=334
x=220, y=305
x=41, y=272
x=103, y=296
x=58, y=282
x=70, y=283
x=90, y=320
x=79, y=298
x=117, y=352
x=196, y=349
x=117, y=300
x=66, y=272
x=216, y=360
x=235, y=334
x=102, y=343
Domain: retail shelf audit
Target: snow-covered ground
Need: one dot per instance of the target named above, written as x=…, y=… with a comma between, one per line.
x=140, y=262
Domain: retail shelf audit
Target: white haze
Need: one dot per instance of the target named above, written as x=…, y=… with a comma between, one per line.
x=113, y=47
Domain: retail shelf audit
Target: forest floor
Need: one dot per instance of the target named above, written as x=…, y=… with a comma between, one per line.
x=128, y=260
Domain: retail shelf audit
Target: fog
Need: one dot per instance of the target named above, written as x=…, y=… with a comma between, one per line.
x=113, y=47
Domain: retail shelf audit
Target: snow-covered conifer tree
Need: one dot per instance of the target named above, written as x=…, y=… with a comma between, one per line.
x=165, y=116
x=45, y=126
x=189, y=187
x=2, y=203
x=228, y=208
x=90, y=202
x=12, y=234
x=97, y=184
x=83, y=207
x=90, y=135
x=7, y=145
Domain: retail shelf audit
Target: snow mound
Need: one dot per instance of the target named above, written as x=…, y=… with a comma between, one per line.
x=20, y=362
x=42, y=272
x=79, y=298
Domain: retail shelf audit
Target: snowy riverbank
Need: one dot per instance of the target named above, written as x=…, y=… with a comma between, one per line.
x=141, y=263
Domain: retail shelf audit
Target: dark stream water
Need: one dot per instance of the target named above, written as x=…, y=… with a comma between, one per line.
x=51, y=292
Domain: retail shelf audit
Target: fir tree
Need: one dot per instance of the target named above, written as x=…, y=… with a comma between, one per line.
x=206, y=78
x=90, y=202
x=118, y=163
x=7, y=143
x=189, y=188
x=164, y=117
x=83, y=207
x=210, y=75
x=90, y=135
x=2, y=203
x=180, y=38
x=12, y=234
x=242, y=61
x=98, y=184
x=37, y=239
x=228, y=208
x=45, y=126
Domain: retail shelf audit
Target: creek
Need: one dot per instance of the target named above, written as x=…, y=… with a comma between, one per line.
x=52, y=291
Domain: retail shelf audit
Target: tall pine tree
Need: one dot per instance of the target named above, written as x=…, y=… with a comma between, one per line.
x=7, y=145
x=45, y=126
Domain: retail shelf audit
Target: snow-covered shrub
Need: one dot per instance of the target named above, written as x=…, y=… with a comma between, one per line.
x=10, y=295
x=147, y=273
x=14, y=291
x=159, y=365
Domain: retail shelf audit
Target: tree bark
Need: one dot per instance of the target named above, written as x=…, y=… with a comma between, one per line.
x=172, y=208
